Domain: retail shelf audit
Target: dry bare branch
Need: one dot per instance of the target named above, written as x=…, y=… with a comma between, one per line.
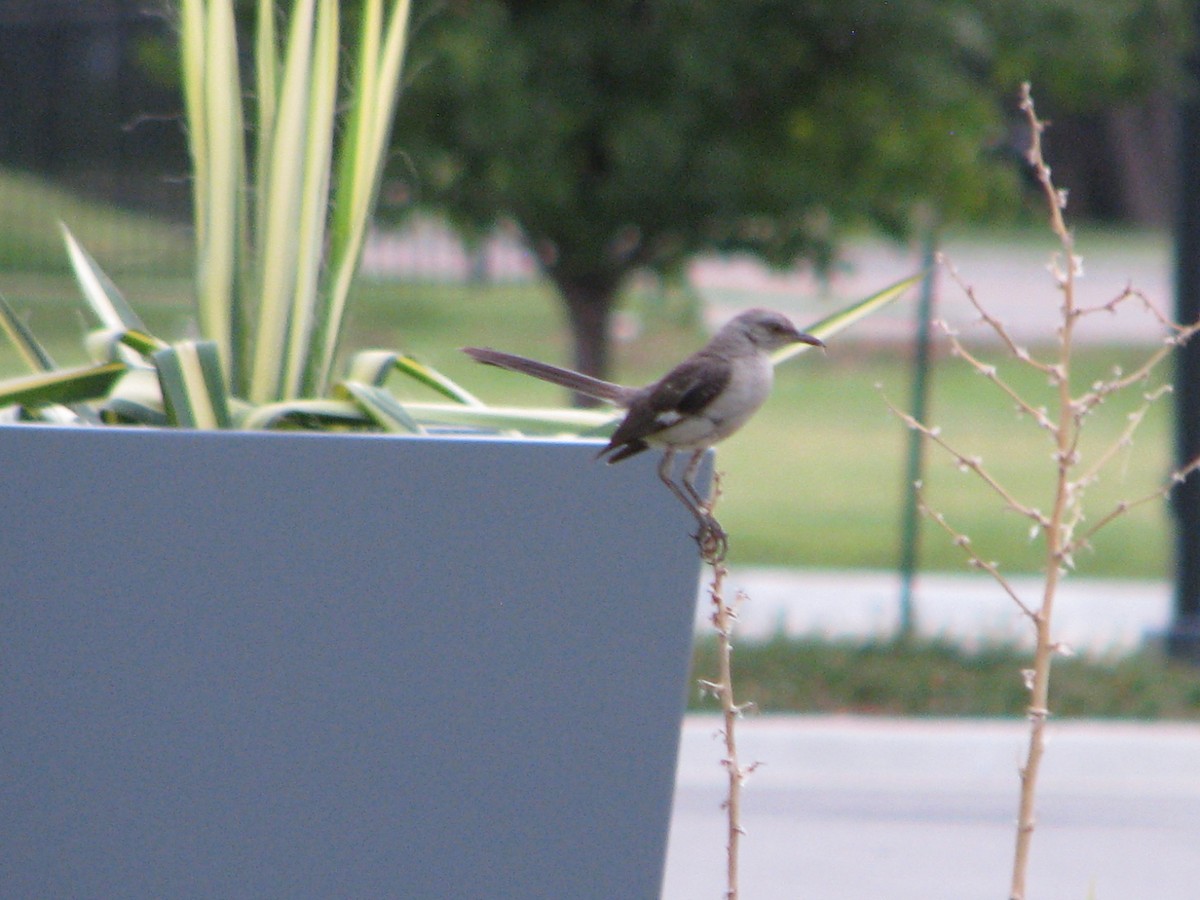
x=974, y=560
x=1177, y=477
x=989, y=372
x=970, y=464
x=1018, y=352
x=724, y=617
x=1125, y=439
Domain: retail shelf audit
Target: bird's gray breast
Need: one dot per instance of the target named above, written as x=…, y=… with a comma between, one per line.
x=749, y=385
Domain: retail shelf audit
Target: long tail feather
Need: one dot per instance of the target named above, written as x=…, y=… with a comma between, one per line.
x=575, y=381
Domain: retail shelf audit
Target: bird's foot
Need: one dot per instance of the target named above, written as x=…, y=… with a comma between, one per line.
x=712, y=540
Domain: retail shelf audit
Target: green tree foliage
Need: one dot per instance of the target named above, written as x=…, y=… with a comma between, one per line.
x=621, y=134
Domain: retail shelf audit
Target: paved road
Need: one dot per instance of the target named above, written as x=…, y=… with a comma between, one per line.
x=895, y=809
x=1010, y=279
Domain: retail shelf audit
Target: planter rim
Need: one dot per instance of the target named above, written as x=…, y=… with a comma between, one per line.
x=159, y=433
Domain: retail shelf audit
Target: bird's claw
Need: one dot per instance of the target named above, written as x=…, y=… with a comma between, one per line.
x=712, y=540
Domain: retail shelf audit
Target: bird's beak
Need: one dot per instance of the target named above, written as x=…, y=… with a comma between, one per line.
x=802, y=338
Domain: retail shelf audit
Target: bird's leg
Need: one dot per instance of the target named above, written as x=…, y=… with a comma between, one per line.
x=689, y=481
x=713, y=540
x=711, y=537
x=664, y=473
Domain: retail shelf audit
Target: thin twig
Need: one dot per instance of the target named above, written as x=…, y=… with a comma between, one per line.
x=970, y=463
x=1123, y=440
x=1177, y=331
x=974, y=560
x=992, y=322
x=1177, y=477
x=1101, y=391
x=724, y=616
x=989, y=372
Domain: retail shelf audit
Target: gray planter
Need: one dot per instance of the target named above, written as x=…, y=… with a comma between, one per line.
x=262, y=665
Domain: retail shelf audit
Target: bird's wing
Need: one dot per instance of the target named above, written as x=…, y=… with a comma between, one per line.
x=693, y=384
x=684, y=391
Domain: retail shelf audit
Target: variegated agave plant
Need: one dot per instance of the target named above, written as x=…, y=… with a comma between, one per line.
x=275, y=257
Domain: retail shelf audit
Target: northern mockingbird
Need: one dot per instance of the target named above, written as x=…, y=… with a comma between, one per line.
x=701, y=401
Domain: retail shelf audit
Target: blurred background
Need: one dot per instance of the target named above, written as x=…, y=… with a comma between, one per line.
x=599, y=183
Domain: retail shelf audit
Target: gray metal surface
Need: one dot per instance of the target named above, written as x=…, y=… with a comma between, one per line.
x=247, y=665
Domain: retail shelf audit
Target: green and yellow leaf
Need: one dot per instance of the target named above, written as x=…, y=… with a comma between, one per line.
x=27, y=345
x=98, y=289
x=193, y=386
x=436, y=380
x=844, y=318
x=61, y=385
x=381, y=407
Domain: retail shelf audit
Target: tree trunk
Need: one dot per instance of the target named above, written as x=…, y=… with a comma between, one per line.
x=1144, y=163
x=589, y=301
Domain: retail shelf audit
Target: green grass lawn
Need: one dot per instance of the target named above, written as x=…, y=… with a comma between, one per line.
x=128, y=242
x=932, y=678
x=815, y=480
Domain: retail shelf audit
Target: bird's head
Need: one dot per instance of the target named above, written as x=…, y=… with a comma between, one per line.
x=769, y=330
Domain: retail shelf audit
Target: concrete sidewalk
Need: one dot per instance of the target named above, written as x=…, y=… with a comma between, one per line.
x=858, y=808
x=1097, y=616
x=850, y=808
